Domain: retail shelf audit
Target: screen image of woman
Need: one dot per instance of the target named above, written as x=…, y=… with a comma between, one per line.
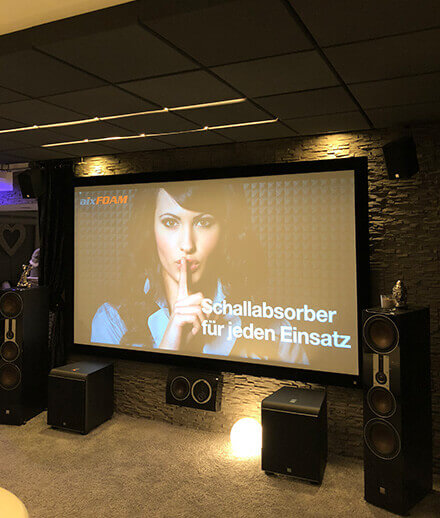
x=189, y=242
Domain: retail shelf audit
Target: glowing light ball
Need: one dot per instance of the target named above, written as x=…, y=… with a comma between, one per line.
x=246, y=438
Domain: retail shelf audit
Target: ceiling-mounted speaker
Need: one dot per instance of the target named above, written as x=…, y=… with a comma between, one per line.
x=31, y=183
x=401, y=158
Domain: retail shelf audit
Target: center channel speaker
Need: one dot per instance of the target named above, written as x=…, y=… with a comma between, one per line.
x=24, y=329
x=194, y=389
x=397, y=407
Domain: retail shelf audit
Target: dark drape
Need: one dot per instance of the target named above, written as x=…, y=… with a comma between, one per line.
x=55, y=207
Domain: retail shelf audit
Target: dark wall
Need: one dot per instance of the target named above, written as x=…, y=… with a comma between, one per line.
x=404, y=244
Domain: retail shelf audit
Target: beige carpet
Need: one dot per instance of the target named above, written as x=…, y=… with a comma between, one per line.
x=137, y=468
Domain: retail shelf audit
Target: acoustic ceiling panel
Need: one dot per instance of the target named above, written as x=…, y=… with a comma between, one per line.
x=8, y=124
x=156, y=123
x=139, y=144
x=8, y=96
x=339, y=21
x=6, y=143
x=403, y=90
x=261, y=132
x=90, y=131
x=306, y=104
x=8, y=158
x=227, y=114
x=37, y=112
x=332, y=123
x=385, y=58
x=205, y=138
x=395, y=115
x=39, y=153
x=121, y=54
x=32, y=73
x=81, y=150
x=106, y=100
x=182, y=89
x=218, y=32
x=34, y=138
x=281, y=74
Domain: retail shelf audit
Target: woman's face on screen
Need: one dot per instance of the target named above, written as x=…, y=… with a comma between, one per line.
x=183, y=233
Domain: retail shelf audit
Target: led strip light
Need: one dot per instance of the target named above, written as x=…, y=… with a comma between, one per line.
x=121, y=116
x=149, y=135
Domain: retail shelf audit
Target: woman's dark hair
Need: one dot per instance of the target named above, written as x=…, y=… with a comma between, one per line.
x=225, y=200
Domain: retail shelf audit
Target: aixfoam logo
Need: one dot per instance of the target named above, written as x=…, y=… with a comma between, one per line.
x=104, y=200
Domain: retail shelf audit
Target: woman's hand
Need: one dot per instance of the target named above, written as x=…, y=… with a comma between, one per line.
x=186, y=317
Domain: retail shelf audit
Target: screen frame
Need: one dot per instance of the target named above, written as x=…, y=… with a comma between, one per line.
x=360, y=167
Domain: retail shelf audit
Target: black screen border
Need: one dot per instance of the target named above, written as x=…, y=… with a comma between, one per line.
x=360, y=167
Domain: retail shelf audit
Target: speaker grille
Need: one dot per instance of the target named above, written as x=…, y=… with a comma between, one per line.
x=381, y=402
x=11, y=304
x=382, y=439
x=201, y=391
x=180, y=388
x=10, y=377
x=9, y=351
x=381, y=334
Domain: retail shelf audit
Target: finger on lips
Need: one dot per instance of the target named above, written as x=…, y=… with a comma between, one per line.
x=183, y=279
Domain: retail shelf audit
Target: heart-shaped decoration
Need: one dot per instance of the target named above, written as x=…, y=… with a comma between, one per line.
x=12, y=237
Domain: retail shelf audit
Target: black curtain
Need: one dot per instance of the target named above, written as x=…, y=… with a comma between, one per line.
x=55, y=209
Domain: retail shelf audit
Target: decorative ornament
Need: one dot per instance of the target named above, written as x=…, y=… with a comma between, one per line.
x=400, y=295
x=23, y=282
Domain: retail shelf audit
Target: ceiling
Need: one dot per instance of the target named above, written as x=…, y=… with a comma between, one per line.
x=316, y=66
x=16, y=15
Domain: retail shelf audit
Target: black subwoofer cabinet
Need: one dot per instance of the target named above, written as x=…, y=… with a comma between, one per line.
x=80, y=396
x=294, y=422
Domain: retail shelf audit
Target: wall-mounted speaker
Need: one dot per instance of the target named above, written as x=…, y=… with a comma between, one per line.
x=194, y=389
x=24, y=332
x=31, y=183
x=397, y=407
x=401, y=158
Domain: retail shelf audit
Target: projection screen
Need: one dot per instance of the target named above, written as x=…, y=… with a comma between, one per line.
x=257, y=269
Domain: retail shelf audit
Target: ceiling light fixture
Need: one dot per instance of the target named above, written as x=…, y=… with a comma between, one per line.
x=122, y=116
x=146, y=135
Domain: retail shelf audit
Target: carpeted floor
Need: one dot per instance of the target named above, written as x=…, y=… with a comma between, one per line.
x=138, y=468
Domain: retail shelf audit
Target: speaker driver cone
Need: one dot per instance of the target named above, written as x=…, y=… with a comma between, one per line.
x=201, y=391
x=10, y=377
x=381, y=401
x=180, y=388
x=382, y=439
x=381, y=334
x=11, y=304
x=9, y=351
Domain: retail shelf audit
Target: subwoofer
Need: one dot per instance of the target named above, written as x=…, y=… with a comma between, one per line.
x=24, y=326
x=397, y=407
x=194, y=389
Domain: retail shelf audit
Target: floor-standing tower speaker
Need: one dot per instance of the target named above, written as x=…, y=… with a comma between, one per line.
x=23, y=353
x=397, y=407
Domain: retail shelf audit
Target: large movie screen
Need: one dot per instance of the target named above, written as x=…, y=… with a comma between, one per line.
x=259, y=269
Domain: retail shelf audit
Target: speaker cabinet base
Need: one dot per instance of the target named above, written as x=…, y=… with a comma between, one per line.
x=17, y=415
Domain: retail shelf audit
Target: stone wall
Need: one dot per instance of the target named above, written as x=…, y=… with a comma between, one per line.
x=404, y=244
